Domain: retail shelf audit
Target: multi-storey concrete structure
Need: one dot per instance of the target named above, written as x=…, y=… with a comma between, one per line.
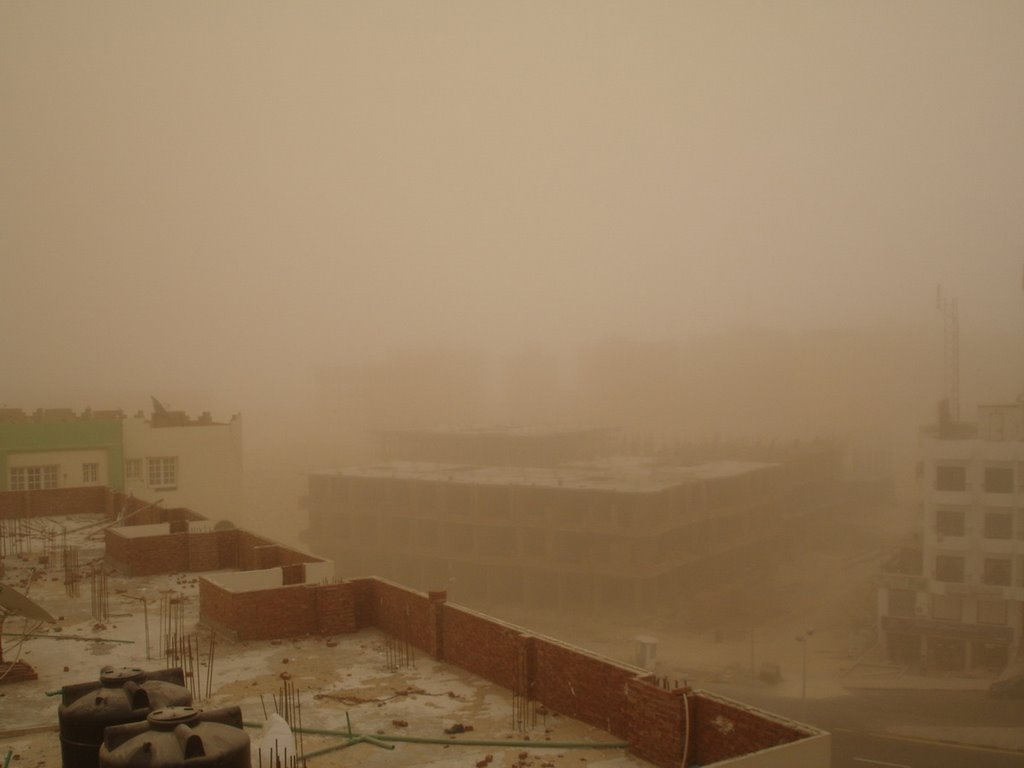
x=495, y=446
x=613, y=533
x=960, y=603
x=195, y=463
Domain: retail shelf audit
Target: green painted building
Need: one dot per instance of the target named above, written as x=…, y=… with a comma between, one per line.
x=58, y=448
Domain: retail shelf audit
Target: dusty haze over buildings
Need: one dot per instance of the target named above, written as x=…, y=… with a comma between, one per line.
x=228, y=204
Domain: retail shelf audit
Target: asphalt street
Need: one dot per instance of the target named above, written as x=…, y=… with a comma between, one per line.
x=883, y=728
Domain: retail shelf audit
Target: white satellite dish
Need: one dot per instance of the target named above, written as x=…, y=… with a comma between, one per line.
x=13, y=603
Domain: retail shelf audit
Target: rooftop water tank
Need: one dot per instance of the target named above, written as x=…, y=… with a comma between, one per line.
x=179, y=737
x=122, y=695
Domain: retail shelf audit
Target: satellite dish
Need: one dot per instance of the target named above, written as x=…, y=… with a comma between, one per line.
x=13, y=603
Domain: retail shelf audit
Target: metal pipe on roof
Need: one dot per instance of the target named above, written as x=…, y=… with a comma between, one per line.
x=466, y=742
x=375, y=740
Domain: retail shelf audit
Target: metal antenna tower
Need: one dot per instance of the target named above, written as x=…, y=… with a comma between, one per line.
x=950, y=351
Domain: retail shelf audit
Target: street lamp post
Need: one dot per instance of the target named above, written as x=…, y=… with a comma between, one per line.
x=803, y=639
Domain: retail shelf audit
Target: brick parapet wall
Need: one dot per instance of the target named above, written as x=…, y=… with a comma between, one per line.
x=261, y=614
x=217, y=608
x=586, y=687
x=656, y=722
x=335, y=608
x=363, y=592
x=481, y=645
x=148, y=555
x=403, y=613
x=723, y=729
x=617, y=698
x=53, y=502
x=614, y=697
x=203, y=552
x=186, y=551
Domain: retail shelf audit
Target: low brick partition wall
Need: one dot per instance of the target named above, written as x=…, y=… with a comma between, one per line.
x=53, y=502
x=180, y=550
x=660, y=725
x=88, y=500
x=724, y=729
x=618, y=698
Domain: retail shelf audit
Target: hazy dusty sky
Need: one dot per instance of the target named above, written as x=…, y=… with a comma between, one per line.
x=226, y=189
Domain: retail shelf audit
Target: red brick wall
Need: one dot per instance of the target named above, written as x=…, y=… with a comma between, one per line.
x=582, y=686
x=403, y=613
x=363, y=591
x=52, y=502
x=597, y=691
x=723, y=729
x=203, y=552
x=482, y=646
x=147, y=555
x=217, y=606
x=227, y=547
x=656, y=721
x=165, y=553
x=261, y=614
x=335, y=608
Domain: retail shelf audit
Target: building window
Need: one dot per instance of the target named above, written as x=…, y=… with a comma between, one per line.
x=902, y=602
x=33, y=478
x=133, y=469
x=950, y=478
x=90, y=472
x=998, y=525
x=992, y=612
x=947, y=607
x=998, y=480
x=949, y=568
x=162, y=471
x=949, y=522
x=997, y=572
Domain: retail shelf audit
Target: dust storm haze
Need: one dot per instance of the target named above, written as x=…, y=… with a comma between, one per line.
x=679, y=219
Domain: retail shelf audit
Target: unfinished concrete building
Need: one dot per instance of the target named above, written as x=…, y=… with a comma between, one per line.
x=618, y=533
x=495, y=446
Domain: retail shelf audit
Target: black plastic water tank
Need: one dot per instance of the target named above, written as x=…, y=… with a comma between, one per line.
x=179, y=737
x=122, y=695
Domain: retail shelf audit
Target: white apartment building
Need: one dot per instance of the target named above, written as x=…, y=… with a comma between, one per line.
x=964, y=607
x=168, y=457
x=193, y=463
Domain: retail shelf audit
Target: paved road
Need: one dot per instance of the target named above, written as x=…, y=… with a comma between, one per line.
x=866, y=726
x=853, y=749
